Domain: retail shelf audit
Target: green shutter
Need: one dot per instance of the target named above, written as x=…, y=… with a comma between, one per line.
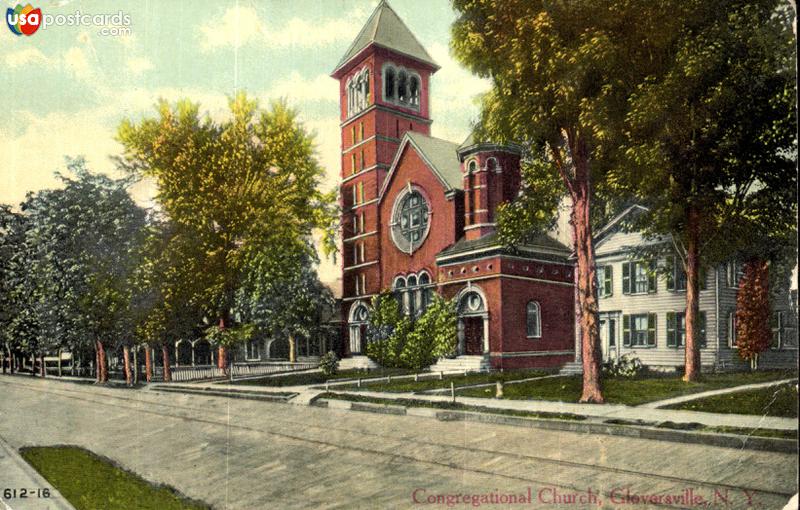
x=702, y=275
x=701, y=328
x=672, y=333
x=651, y=329
x=670, y=274
x=626, y=330
x=608, y=280
x=626, y=277
x=652, y=277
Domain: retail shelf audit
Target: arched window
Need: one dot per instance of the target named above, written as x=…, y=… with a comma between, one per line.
x=472, y=167
x=388, y=84
x=402, y=87
x=491, y=165
x=533, y=319
x=426, y=292
x=413, y=89
x=366, y=88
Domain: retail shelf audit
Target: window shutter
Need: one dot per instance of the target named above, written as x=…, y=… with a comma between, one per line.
x=651, y=329
x=652, y=277
x=626, y=330
x=701, y=328
x=608, y=280
x=702, y=275
x=626, y=277
x=670, y=275
x=672, y=337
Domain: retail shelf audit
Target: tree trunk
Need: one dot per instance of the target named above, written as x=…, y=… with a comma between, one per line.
x=102, y=363
x=586, y=284
x=5, y=358
x=136, y=366
x=126, y=360
x=59, y=363
x=165, y=361
x=97, y=363
x=292, y=349
x=42, y=367
x=148, y=364
x=222, y=361
x=692, y=372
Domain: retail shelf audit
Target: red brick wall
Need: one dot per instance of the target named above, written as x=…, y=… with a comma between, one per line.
x=442, y=231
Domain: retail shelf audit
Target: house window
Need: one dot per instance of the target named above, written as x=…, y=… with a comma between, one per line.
x=355, y=194
x=361, y=167
x=353, y=162
x=676, y=275
x=605, y=281
x=361, y=131
x=612, y=332
x=731, y=329
x=533, y=318
x=352, y=135
x=676, y=329
x=639, y=330
x=253, y=349
x=777, y=330
x=732, y=274
x=639, y=277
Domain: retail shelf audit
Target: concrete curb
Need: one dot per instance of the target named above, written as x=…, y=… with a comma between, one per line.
x=245, y=395
x=23, y=476
x=635, y=431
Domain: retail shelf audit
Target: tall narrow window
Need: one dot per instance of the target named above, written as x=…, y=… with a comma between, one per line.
x=533, y=320
x=413, y=89
x=777, y=330
x=361, y=131
x=360, y=192
x=605, y=283
x=353, y=162
x=402, y=87
x=361, y=167
x=366, y=88
x=732, y=329
x=389, y=84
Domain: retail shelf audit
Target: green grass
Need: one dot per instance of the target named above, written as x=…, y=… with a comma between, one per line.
x=429, y=383
x=772, y=401
x=699, y=427
x=450, y=406
x=90, y=482
x=619, y=390
x=320, y=378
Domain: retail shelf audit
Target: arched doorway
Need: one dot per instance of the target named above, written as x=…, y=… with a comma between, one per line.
x=359, y=315
x=473, y=323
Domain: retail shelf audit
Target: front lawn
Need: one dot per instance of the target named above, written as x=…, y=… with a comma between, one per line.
x=619, y=390
x=90, y=482
x=772, y=401
x=432, y=383
x=320, y=378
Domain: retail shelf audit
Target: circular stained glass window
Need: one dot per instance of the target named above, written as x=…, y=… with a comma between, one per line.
x=410, y=225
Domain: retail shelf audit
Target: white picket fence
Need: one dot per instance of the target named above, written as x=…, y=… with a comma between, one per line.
x=239, y=370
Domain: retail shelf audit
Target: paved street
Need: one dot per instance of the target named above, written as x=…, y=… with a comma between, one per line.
x=247, y=454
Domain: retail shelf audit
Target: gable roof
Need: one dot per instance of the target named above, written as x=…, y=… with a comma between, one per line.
x=440, y=156
x=385, y=28
x=541, y=246
x=616, y=221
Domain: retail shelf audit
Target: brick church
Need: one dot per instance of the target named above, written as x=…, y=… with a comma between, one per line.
x=418, y=215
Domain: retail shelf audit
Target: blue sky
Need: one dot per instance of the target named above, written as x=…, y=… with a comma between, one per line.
x=66, y=88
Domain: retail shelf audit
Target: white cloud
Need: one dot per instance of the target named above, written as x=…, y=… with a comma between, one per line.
x=240, y=26
x=26, y=57
x=296, y=88
x=138, y=65
x=75, y=61
x=237, y=27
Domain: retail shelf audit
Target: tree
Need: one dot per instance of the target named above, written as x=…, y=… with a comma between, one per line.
x=284, y=297
x=753, y=332
x=10, y=247
x=78, y=256
x=434, y=335
x=238, y=187
x=711, y=145
x=561, y=73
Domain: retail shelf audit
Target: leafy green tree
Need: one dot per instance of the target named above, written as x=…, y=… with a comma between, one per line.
x=711, y=146
x=77, y=260
x=434, y=335
x=284, y=297
x=561, y=73
x=239, y=188
x=10, y=249
x=387, y=330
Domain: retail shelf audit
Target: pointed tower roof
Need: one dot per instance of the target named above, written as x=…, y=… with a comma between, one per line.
x=385, y=28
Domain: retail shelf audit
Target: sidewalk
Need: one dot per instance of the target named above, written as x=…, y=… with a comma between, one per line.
x=711, y=393
x=606, y=411
x=17, y=475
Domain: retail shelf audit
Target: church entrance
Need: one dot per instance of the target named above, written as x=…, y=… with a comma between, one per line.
x=473, y=335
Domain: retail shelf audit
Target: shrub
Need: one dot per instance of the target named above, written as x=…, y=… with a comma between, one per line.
x=387, y=331
x=434, y=335
x=625, y=366
x=329, y=364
